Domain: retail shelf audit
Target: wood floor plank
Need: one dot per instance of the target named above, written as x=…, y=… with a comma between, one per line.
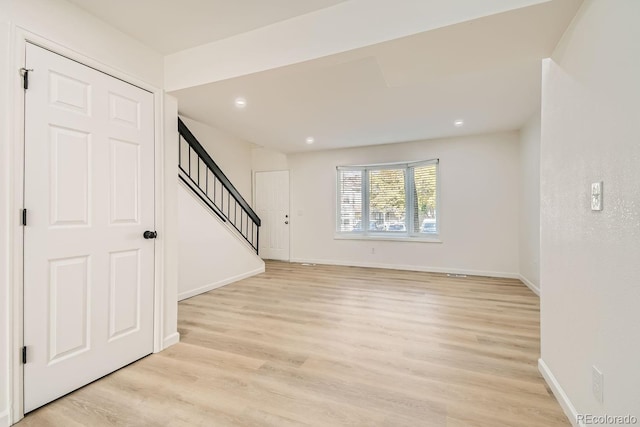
x=334, y=346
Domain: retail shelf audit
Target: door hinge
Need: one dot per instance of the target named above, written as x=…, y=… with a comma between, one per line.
x=24, y=355
x=25, y=77
x=24, y=217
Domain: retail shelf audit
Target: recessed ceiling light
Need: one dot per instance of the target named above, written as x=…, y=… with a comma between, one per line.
x=458, y=123
x=310, y=140
x=240, y=102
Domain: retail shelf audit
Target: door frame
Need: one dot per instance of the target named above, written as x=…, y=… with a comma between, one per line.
x=16, y=173
x=253, y=199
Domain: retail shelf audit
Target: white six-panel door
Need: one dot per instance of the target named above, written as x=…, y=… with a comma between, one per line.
x=272, y=206
x=89, y=192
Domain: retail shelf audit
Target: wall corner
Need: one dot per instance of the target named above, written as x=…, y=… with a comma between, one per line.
x=170, y=181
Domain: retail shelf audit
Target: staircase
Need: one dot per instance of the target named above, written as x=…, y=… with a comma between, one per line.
x=218, y=231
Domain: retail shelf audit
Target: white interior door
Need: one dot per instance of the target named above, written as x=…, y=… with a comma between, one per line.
x=89, y=194
x=272, y=206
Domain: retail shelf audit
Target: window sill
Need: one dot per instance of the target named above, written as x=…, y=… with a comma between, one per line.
x=434, y=239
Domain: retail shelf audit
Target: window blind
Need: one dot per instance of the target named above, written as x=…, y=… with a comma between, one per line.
x=350, y=202
x=399, y=198
x=387, y=200
x=424, y=199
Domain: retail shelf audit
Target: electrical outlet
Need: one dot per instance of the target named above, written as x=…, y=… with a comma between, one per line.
x=597, y=384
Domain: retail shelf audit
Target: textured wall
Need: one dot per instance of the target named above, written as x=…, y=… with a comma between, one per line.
x=589, y=267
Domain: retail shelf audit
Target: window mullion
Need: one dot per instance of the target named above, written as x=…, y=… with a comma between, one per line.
x=338, y=201
x=365, y=201
x=409, y=202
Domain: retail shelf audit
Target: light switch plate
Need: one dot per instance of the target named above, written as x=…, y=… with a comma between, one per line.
x=596, y=196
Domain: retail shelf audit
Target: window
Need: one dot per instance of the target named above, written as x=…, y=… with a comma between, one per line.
x=388, y=200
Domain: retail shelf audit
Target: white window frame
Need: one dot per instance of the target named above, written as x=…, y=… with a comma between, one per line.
x=365, y=233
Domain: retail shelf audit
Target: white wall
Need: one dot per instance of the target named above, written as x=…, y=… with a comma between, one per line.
x=529, y=203
x=209, y=254
x=264, y=159
x=72, y=27
x=479, y=185
x=231, y=154
x=62, y=23
x=590, y=261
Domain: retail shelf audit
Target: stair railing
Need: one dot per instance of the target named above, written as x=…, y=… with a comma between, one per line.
x=203, y=176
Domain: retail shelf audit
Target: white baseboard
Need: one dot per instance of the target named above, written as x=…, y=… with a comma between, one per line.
x=558, y=392
x=4, y=419
x=172, y=339
x=218, y=284
x=409, y=268
x=535, y=289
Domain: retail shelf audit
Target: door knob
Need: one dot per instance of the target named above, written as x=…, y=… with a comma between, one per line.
x=150, y=234
x=286, y=222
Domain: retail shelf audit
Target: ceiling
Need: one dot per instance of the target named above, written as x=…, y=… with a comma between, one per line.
x=176, y=25
x=486, y=72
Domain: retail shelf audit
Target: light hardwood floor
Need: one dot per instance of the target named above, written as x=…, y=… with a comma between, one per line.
x=334, y=346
